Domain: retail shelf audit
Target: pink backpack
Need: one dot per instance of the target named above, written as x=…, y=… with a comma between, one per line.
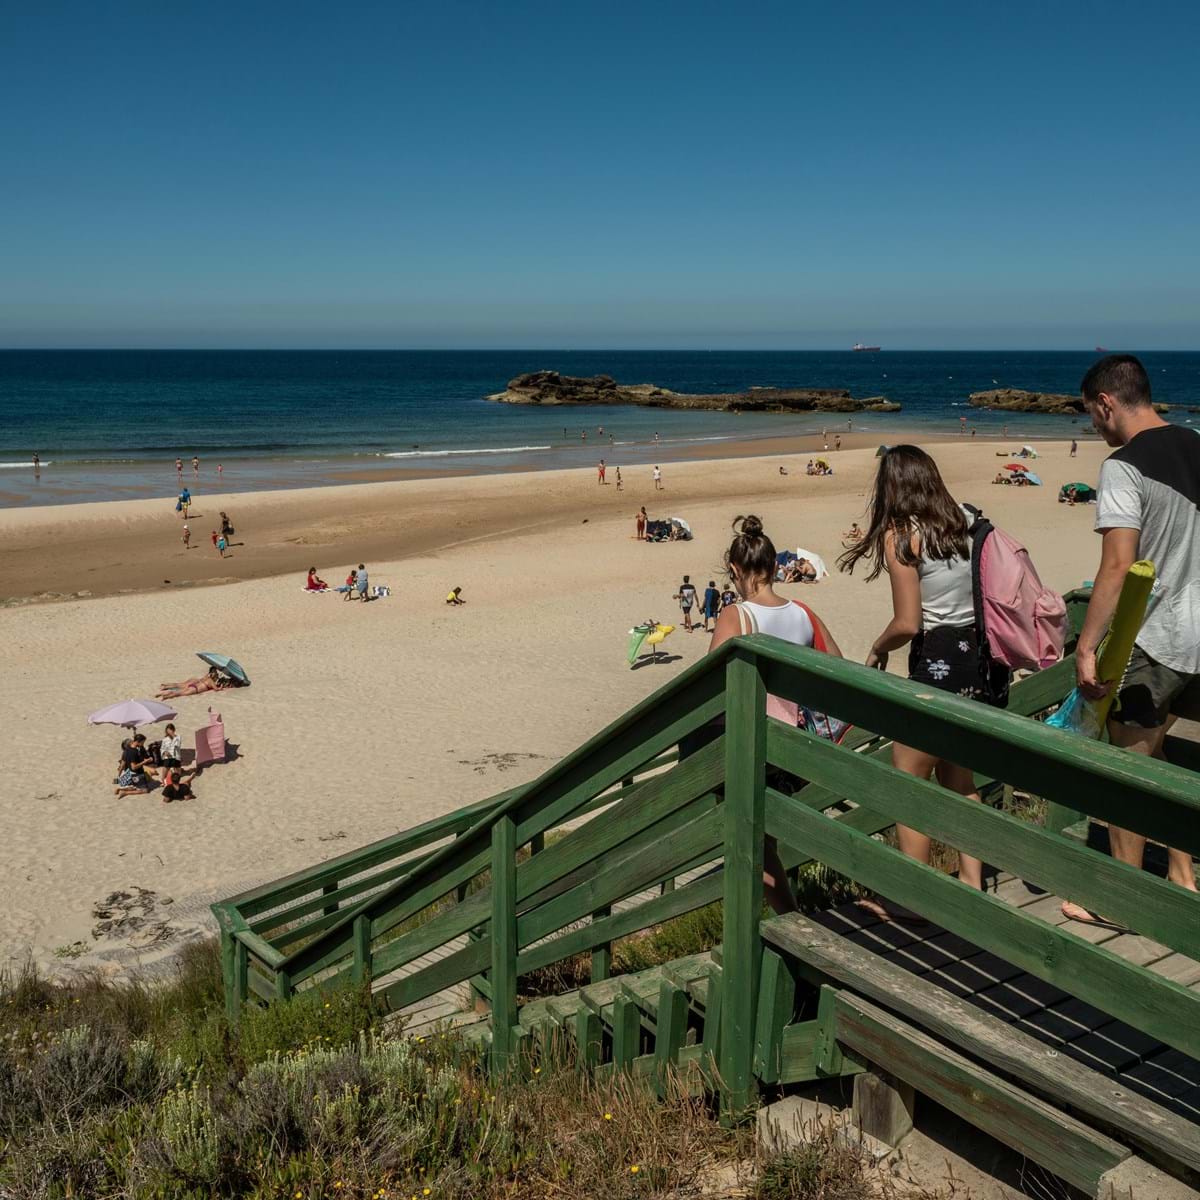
x=1023, y=621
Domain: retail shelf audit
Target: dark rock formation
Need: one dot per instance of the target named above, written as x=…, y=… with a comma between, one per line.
x=1014, y=400
x=551, y=388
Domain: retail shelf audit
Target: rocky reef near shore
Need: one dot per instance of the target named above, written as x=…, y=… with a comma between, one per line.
x=1016, y=400
x=550, y=388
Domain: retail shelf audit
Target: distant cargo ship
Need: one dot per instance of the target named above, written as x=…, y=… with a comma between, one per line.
x=1101, y=350
x=859, y=348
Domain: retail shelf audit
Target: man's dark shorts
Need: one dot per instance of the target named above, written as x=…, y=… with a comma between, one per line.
x=1151, y=692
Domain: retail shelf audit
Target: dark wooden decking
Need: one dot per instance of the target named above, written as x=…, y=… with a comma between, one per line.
x=1024, y=1002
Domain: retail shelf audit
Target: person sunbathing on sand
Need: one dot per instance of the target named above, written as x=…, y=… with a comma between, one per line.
x=176, y=786
x=315, y=583
x=214, y=681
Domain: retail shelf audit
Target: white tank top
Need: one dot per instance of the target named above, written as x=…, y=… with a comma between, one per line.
x=947, y=591
x=788, y=622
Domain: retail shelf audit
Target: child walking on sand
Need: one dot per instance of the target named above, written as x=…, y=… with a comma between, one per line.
x=187, y=538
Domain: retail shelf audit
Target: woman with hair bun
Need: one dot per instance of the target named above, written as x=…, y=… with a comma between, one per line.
x=750, y=561
x=920, y=535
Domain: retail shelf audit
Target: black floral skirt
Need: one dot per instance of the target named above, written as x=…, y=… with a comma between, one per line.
x=949, y=658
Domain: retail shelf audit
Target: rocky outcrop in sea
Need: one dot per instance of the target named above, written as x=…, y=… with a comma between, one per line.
x=550, y=388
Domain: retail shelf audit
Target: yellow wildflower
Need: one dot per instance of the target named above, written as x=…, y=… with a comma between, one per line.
x=634, y=1169
x=608, y=1116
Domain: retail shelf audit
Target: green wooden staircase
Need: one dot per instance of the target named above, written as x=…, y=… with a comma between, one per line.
x=623, y=835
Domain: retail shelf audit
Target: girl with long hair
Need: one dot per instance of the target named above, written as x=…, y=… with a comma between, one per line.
x=919, y=534
x=750, y=562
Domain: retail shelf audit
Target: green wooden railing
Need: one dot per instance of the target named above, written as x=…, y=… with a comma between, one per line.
x=632, y=826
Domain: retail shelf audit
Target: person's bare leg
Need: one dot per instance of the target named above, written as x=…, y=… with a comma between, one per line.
x=1127, y=846
x=913, y=843
x=960, y=780
x=776, y=889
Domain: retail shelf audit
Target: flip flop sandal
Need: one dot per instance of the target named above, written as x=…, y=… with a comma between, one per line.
x=1092, y=918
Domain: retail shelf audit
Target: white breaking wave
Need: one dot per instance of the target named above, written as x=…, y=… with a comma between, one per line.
x=12, y=466
x=446, y=453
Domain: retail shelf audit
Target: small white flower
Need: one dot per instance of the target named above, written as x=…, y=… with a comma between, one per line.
x=939, y=669
x=964, y=646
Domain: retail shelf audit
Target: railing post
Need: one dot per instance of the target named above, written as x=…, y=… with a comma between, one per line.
x=360, y=971
x=602, y=955
x=228, y=969
x=504, y=941
x=241, y=977
x=328, y=890
x=745, y=800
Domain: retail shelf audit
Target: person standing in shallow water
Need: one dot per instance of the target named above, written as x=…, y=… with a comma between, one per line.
x=919, y=536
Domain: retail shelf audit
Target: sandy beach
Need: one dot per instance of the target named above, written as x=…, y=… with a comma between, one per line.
x=365, y=719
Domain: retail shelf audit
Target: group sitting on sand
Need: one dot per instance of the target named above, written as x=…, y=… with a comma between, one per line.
x=820, y=467
x=142, y=765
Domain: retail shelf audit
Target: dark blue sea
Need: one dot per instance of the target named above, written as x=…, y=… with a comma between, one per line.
x=110, y=424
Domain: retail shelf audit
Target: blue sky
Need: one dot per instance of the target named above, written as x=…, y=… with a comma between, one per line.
x=568, y=175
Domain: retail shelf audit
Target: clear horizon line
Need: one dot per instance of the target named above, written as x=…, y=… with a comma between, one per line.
x=574, y=350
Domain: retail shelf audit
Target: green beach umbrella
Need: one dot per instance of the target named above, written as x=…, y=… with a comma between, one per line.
x=224, y=663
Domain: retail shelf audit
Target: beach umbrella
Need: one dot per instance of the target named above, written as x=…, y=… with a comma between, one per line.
x=224, y=663
x=1015, y=467
x=1036, y=480
x=132, y=713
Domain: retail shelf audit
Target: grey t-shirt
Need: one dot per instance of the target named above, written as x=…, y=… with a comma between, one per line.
x=1152, y=484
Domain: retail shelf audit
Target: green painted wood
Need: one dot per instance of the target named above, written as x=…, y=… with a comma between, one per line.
x=602, y=953
x=670, y=1029
x=283, y=985
x=537, y=843
x=360, y=972
x=1106, y=782
x=589, y=1043
x=658, y=807
x=1159, y=1007
x=1055, y=1076
x=241, y=977
x=745, y=781
x=329, y=889
x=626, y=1032
x=1026, y=1124
x=776, y=1000
x=260, y=948
x=557, y=796
x=455, y=967
x=827, y=1054
x=280, y=891
x=667, y=885
x=710, y=1040
x=1134, y=897
x=453, y=864
x=799, y=1054
x=228, y=975
x=260, y=985
x=503, y=976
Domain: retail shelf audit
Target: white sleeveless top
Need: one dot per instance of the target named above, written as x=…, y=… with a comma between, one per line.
x=788, y=622
x=947, y=591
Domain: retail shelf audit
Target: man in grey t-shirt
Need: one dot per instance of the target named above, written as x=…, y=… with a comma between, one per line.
x=1148, y=508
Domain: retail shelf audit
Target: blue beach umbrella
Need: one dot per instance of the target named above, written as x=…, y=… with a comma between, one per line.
x=1034, y=479
x=224, y=663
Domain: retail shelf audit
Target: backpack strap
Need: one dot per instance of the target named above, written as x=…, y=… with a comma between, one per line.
x=978, y=532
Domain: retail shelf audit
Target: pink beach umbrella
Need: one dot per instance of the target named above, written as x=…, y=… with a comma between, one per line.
x=132, y=713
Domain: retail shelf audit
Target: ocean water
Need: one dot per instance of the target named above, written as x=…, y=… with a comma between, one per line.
x=110, y=424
